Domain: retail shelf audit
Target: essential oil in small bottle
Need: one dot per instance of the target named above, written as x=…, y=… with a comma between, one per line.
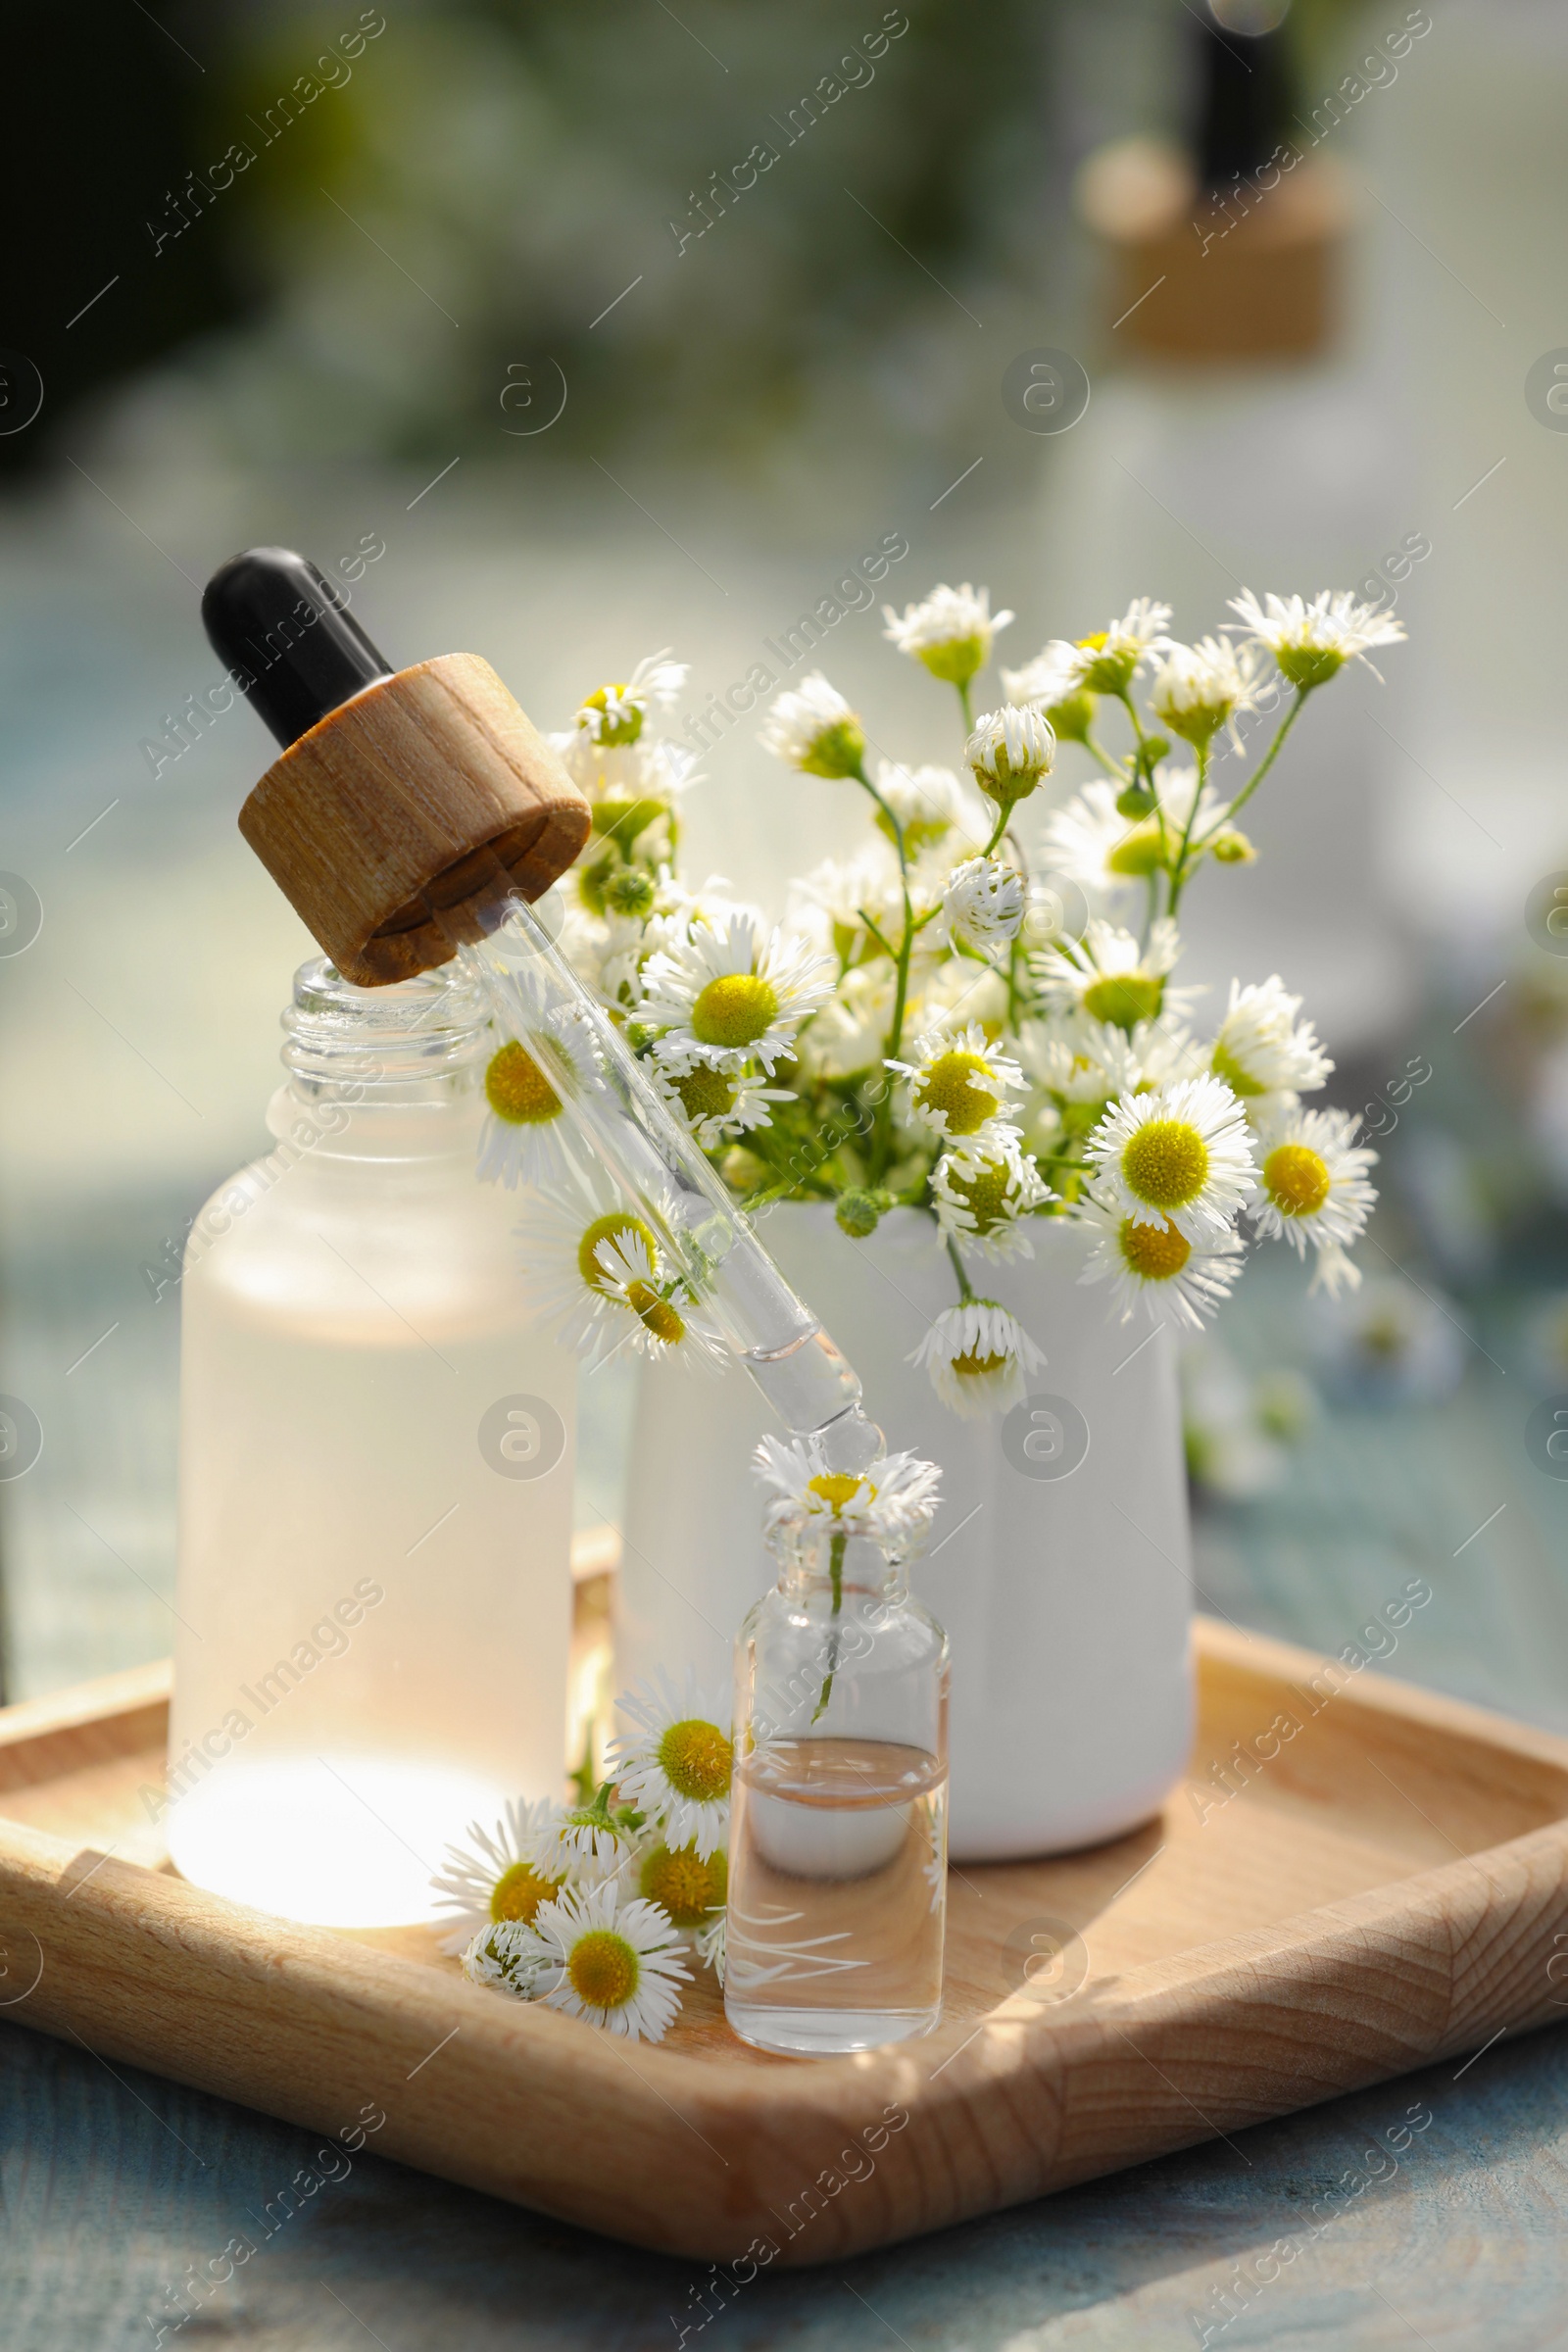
x=838, y=1835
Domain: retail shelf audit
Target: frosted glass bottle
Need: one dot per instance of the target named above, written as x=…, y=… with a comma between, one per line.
x=838, y=1853
x=375, y=1587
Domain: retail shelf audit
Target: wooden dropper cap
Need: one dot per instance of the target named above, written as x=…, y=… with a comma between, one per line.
x=407, y=805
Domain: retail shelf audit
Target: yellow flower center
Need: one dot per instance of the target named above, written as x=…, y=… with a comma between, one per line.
x=945, y=1087
x=735, y=1010
x=1157, y=1253
x=837, y=1488
x=517, y=1090
x=687, y=1887
x=696, y=1760
x=618, y=1226
x=518, y=1893
x=617, y=731
x=1138, y=852
x=654, y=1313
x=985, y=1195
x=704, y=1093
x=603, y=1969
x=1165, y=1164
x=972, y=1365
x=1124, y=998
x=1224, y=1064
x=1298, y=1180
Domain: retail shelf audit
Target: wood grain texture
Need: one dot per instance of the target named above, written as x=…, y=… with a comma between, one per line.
x=1386, y=1889
x=431, y=790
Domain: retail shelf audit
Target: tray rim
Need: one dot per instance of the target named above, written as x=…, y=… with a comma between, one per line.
x=155, y=1973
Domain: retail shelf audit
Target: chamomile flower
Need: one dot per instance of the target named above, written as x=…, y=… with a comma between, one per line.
x=1009, y=751
x=1110, y=977
x=984, y=1192
x=983, y=905
x=715, y=1104
x=689, y=1887
x=895, y=1500
x=675, y=1767
x=632, y=1276
x=630, y=787
x=1084, y=1064
x=850, y=1032
x=1201, y=688
x=490, y=1877
x=733, y=993
x=595, y=1271
x=506, y=1957
x=1050, y=683
x=1335, y=1273
x=978, y=1357
x=1263, y=1053
x=1313, y=642
x=615, y=715
x=953, y=991
x=951, y=631
x=833, y=903
x=598, y=1956
x=1311, y=1179
x=959, y=1080
x=929, y=803
x=526, y=1087
x=1090, y=841
x=570, y=1839
x=813, y=728
x=1147, y=1261
x=713, y=1946
x=1181, y=1152
x=1108, y=662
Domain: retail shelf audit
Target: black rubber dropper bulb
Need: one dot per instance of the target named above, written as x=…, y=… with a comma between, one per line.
x=287, y=639
x=1244, y=110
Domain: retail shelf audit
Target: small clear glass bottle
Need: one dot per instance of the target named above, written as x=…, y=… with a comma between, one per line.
x=839, y=1809
x=376, y=1445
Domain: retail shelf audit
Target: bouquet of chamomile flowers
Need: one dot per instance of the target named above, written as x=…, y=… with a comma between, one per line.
x=596, y=1907
x=978, y=1015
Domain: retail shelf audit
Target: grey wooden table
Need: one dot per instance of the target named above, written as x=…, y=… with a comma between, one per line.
x=112, y=2184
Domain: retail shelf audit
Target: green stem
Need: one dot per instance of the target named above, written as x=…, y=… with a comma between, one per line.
x=835, y=1565
x=901, y=995
x=1178, y=872
x=967, y=707
x=1116, y=768
x=1003, y=822
x=965, y=1288
x=1131, y=709
x=1263, y=765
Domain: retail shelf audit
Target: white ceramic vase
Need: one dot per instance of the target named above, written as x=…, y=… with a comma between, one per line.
x=1060, y=1562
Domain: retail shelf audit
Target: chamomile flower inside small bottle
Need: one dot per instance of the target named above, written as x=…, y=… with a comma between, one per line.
x=837, y=1890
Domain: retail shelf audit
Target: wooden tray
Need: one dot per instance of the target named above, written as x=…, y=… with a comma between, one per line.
x=1385, y=1886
